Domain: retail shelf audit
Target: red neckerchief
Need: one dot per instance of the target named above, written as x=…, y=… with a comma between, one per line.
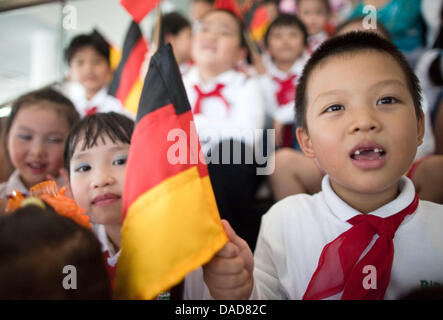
x=286, y=93
x=214, y=93
x=338, y=268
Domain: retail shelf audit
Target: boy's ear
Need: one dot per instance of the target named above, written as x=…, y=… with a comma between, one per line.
x=420, y=128
x=305, y=142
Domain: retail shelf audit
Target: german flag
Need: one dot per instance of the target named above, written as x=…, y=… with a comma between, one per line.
x=259, y=24
x=171, y=222
x=126, y=84
x=138, y=9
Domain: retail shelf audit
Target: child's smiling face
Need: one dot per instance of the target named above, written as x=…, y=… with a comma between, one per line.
x=362, y=125
x=97, y=179
x=217, y=43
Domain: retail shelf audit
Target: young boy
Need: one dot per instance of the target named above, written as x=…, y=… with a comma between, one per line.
x=285, y=42
x=90, y=71
x=359, y=116
x=228, y=108
x=95, y=158
x=315, y=15
x=177, y=31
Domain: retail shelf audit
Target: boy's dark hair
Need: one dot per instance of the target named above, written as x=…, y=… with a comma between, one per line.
x=173, y=23
x=94, y=40
x=354, y=42
x=380, y=27
x=56, y=100
x=37, y=244
x=325, y=3
x=114, y=125
x=286, y=20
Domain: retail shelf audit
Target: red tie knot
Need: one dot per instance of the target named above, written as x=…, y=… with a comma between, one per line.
x=214, y=93
x=378, y=225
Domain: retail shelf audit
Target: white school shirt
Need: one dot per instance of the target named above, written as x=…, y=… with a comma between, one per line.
x=15, y=183
x=107, y=247
x=294, y=232
x=316, y=40
x=245, y=112
x=103, y=101
x=282, y=113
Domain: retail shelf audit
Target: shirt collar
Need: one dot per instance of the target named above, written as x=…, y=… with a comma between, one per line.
x=107, y=246
x=224, y=78
x=296, y=68
x=345, y=212
x=15, y=183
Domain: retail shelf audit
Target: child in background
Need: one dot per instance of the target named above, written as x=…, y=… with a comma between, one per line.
x=199, y=8
x=285, y=42
x=90, y=71
x=95, y=157
x=315, y=15
x=359, y=116
x=6, y=167
x=36, y=130
x=403, y=20
x=39, y=249
x=177, y=31
x=226, y=104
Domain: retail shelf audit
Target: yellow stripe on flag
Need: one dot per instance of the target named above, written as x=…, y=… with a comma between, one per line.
x=177, y=206
x=133, y=97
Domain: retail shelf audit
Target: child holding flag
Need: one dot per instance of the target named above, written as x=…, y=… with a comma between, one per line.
x=359, y=115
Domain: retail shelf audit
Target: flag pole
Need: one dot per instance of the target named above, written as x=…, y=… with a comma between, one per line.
x=158, y=24
x=255, y=53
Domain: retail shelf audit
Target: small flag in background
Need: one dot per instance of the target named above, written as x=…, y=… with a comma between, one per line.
x=126, y=84
x=259, y=24
x=138, y=9
x=171, y=222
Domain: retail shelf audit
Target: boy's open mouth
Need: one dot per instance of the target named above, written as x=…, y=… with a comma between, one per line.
x=368, y=155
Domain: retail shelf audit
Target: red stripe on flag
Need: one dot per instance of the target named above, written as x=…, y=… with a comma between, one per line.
x=131, y=70
x=138, y=9
x=261, y=18
x=148, y=154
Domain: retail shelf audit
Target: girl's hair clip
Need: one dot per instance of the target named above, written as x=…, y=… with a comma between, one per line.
x=48, y=192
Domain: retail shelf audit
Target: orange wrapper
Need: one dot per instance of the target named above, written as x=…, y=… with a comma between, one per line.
x=62, y=204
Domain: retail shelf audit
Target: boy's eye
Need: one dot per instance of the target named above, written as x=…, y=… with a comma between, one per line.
x=335, y=107
x=120, y=161
x=83, y=167
x=387, y=100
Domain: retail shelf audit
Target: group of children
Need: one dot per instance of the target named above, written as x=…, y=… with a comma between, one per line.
x=353, y=135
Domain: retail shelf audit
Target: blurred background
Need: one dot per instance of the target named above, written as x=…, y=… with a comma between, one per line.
x=34, y=34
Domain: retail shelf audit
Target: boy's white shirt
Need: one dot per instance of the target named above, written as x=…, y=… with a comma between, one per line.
x=246, y=106
x=316, y=40
x=15, y=183
x=100, y=232
x=284, y=113
x=294, y=232
x=102, y=100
